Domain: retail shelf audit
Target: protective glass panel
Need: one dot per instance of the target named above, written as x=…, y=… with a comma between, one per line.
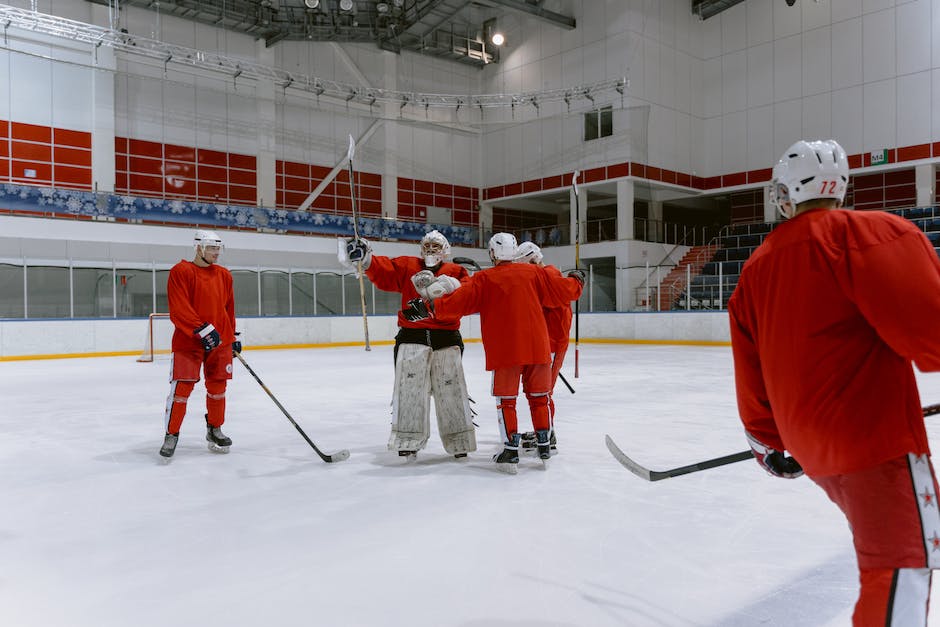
x=301, y=286
x=47, y=292
x=245, y=286
x=134, y=292
x=91, y=292
x=329, y=294
x=11, y=287
x=275, y=293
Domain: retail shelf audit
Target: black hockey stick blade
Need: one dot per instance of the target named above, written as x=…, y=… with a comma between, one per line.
x=467, y=261
x=327, y=457
x=657, y=475
x=565, y=381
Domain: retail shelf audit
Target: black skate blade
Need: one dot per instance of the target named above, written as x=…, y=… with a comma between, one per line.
x=215, y=448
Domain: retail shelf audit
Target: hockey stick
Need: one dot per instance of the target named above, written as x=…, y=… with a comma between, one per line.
x=577, y=264
x=335, y=457
x=355, y=212
x=467, y=261
x=565, y=381
x=656, y=475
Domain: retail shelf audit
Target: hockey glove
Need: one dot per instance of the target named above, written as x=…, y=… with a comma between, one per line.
x=418, y=309
x=236, y=345
x=359, y=250
x=774, y=461
x=209, y=336
x=577, y=274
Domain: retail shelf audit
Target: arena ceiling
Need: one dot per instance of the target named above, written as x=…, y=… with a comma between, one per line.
x=456, y=30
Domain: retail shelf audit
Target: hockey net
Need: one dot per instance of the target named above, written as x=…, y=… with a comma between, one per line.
x=157, y=345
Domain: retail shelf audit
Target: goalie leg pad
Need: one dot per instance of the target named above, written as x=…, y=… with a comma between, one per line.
x=411, y=400
x=452, y=402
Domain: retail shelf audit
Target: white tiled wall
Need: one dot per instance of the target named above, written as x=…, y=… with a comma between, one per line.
x=724, y=95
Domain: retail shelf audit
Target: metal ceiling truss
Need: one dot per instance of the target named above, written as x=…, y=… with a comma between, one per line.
x=242, y=69
x=705, y=9
x=440, y=28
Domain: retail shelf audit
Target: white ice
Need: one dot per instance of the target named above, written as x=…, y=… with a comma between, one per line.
x=97, y=531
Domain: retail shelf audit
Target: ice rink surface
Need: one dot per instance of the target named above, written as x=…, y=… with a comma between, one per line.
x=97, y=531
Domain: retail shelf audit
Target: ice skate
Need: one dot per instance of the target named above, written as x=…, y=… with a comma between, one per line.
x=169, y=445
x=543, y=445
x=218, y=441
x=460, y=456
x=410, y=456
x=508, y=460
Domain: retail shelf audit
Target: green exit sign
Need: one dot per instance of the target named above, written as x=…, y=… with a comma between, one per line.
x=879, y=156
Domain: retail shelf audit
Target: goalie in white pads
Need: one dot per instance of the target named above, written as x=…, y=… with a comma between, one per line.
x=427, y=353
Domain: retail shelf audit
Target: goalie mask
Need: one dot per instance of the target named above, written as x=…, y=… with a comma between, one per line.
x=503, y=247
x=808, y=171
x=528, y=253
x=207, y=241
x=434, y=249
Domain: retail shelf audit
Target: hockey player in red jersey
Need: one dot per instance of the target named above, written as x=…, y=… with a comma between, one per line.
x=202, y=310
x=427, y=353
x=558, y=321
x=509, y=298
x=829, y=314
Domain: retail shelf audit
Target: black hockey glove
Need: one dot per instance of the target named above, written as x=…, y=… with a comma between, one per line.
x=209, y=336
x=577, y=274
x=418, y=309
x=774, y=461
x=236, y=345
x=359, y=250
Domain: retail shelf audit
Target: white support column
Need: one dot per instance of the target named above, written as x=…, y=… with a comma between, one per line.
x=103, y=111
x=625, y=198
x=390, y=161
x=267, y=141
x=925, y=179
x=486, y=220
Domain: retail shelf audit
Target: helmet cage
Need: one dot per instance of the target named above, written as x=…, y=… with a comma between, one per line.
x=434, y=248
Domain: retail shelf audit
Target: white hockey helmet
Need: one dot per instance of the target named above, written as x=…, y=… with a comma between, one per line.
x=434, y=248
x=528, y=253
x=207, y=239
x=503, y=247
x=809, y=170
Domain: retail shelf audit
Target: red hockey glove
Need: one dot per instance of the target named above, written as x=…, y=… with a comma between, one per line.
x=774, y=461
x=418, y=309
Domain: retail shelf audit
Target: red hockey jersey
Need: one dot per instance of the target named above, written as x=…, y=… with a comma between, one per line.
x=558, y=320
x=394, y=275
x=828, y=315
x=196, y=296
x=509, y=298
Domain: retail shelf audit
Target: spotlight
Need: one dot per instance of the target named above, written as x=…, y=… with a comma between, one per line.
x=312, y=4
x=492, y=33
x=381, y=8
x=346, y=6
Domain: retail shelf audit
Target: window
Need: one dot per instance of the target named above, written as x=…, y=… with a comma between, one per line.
x=599, y=123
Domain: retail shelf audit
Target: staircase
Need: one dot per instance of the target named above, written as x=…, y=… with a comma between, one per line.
x=675, y=283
